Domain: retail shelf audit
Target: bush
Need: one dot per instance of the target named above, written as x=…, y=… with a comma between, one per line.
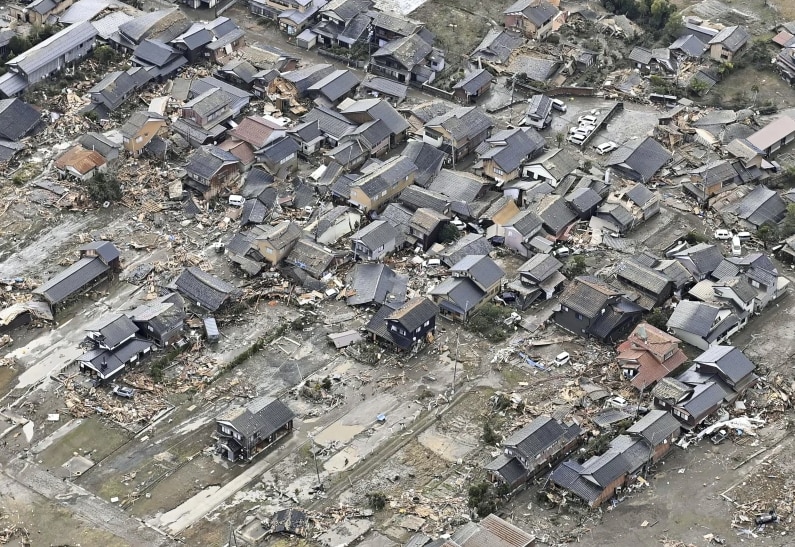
x=489, y=436
x=376, y=500
x=659, y=318
x=448, y=233
x=488, y=322
x=575, y=267
x=103, y=187
x=694, y=237
x=482, y=499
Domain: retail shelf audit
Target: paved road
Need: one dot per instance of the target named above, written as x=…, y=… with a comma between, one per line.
x=83, y=503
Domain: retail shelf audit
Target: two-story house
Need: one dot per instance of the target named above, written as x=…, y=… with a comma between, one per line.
x=139, y=130
x=114, y=345
x=539, y=277
x=372, y=190
x=343, y=23
x=374, y=241
x=409, y=59
x=244, y=432
x=405, y=326
x=520, y=230
x=459, y=131
x=162, y=319
x=507, y=151
x=276, y=242
x=536, y=19
x=590, y=307
x=647, y=355
x=702, y=324
x=727, y=43
x=653, y=287
x=210, y=169
x=534, y=449
x=425, y=226
x=474, y=280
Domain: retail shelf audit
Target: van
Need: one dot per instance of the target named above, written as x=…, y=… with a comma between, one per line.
x=236, y=200
x=576, y=138
x=558, y=105
x=744, y=236
x=562, y=358
x=737, y=249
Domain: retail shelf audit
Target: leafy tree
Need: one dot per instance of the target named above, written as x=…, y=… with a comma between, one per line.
x=104, y=187
x=376, y=500
x=489, y=436
x=659, y=318
x=448, y=233
x=697, y=87
x=482, y=499
x=788, y=226
x=768, y=233
x=694, y=237
x=106, y=55
x=576, y=267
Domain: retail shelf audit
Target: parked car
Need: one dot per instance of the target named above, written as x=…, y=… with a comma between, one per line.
x=744, y=236
x=737, y=248
x=588, y=118
x=617, y=402
x=236, y=200
x=562, y=358
x=558, y=105
x=605, y=147
x=123, y=391
x=587, y=127
x=722, y=233
x=576, y=138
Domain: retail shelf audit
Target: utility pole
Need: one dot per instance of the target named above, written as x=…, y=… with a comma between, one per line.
x=317, y=469
x=455, y=363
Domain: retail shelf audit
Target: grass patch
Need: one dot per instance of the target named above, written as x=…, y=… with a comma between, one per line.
x=489, y=323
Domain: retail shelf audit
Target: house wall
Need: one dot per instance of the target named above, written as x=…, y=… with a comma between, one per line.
x=361, y=250
x=360, y=199
x=719, y=53
x=609, y=490
x=572, y=321
x=409, y=339
x=144, y=136
x=491, y=170
x=514, y=240
x=59, y=63
x=439, y=298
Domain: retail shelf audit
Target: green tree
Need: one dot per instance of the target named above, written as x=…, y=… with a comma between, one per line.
x=376, y=500
x=489, y=435
x=106, y=55
x=697, y=87
x=448, y=233
x=768, y=233
x=482, y=499
x=575, y=267
x=659, y=318
x=788, y=226
x=104, y=187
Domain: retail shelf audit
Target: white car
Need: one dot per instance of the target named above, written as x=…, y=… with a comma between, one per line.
x=579, y=129
x=722, y=233
x=588, y=118
x=562, y=358
x=236, y=200
x=744, y=236
x=587, y=127
x=605, y=147
x=558, y=105
x=576, y=138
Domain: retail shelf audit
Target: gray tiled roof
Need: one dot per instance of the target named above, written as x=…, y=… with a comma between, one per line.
x=587, y=295
x=204, y=289
x=642, y=276
x=704, y=256
x=731, y=38
x=72, y=279
x=114, y=329
x=428, y=160
x=458, y=185
x=306, y=77
x=376, y=283
x=310, y=256
x=554, y=213
x=376, y=234
x=639, y=195
x=463, y=122
x=463, y=294
x=536, y=437
x=336, y=84
x=644, y=157
x=408, y=51
x=583, y=199
x=207, y=160
x=509, y=147
x=469, y=244
x=690, y=45
x=731, y=361
x=472, y=82
x=264, y=416
x=655, y=427
x=330, y=121
x=640, y=55
x=498, y=45
x=17, y=119
x=761, y=206
x=416, y=197
x=480, y=268
x=414, y=313
x=526, y=222
x=540, y=266
x=385, y=86
x=704, y=397
x=694, y=317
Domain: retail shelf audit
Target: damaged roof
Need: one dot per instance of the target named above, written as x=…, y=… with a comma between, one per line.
x=204, y=289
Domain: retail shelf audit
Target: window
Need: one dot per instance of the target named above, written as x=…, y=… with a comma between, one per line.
x=428, y=322
x=579, y=317
x=498, y=171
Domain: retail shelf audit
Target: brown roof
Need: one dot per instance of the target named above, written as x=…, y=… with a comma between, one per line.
x=80, y=159
x=255, y=130
x=240, y=149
